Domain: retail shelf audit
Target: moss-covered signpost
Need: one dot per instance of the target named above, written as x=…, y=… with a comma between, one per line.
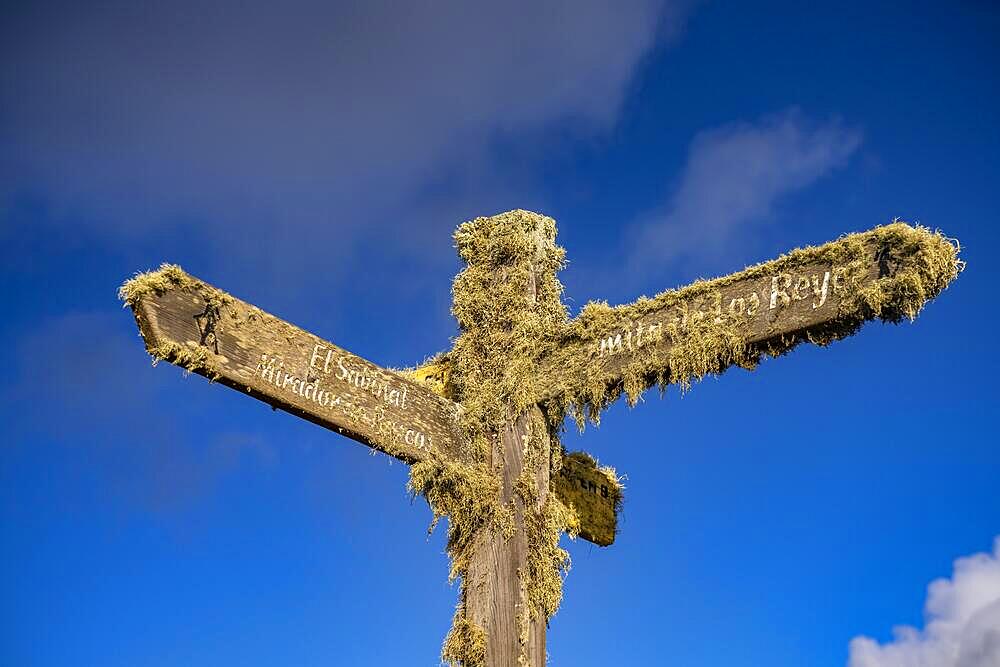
x=479, y=424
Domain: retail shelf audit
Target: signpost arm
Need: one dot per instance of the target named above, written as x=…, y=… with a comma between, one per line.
x=192, y=324
x=817, y=294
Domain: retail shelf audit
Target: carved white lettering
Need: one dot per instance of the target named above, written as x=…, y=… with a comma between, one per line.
x=611, y=345
x=782, y=289
x=801, y=289
x=838, y=276
x=266, y=368
x=315, y=355
x=780, y=293
x=373, y=382
x=820, y=291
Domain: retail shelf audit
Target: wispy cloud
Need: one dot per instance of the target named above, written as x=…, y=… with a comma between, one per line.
x=734, y=176
x=962, y=623
x=295, y=125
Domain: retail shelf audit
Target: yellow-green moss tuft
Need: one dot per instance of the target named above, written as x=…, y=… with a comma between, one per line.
x=507, y=302
x=545, y=520
x=469, y=495
x=547, y=562
x=433, y=374
x=167, y=277
x=465, y=644
x=503, y=327
x=192, y=358
x=590, y=509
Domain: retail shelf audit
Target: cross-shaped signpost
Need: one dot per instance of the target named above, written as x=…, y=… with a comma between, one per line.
x=479, y=424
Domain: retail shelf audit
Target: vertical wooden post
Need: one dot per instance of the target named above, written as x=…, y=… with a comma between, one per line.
x=494, y=595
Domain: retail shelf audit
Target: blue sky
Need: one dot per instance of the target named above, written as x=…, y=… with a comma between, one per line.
x=314, y=160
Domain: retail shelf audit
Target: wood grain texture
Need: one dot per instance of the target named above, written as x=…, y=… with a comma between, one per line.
x=296, y=371
x=493, y=594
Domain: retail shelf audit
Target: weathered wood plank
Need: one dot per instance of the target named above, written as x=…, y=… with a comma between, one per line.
x=812, y=295
x=240, y=346
x=494, y=595
x=773, y=306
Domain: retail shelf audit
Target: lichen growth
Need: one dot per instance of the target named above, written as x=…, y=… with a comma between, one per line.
x=545, y=519
x=590, y=509
x=432, y=374
x=192, y=358
x=469, y=495
x=547, y=562
x=502, y=324
x=507, y=303
x=164, y=279
x=923, y=263
x=465, y=644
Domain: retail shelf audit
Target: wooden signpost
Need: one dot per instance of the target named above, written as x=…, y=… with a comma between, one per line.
x=480, y=424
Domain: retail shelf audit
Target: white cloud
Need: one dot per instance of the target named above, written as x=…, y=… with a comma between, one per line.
x=734, y=175
x=962, y=623
x=314, y=115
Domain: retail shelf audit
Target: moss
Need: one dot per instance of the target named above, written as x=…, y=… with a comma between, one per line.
x=507, y=301
x=921, y=264
x=164, y=279
x=502, y=326
x=465, y=644
x=469, y=495
x=591, y=509
x=433, y=374
x=192, y=358
x=545, y=520
x=168, y=277
x=547, y=562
